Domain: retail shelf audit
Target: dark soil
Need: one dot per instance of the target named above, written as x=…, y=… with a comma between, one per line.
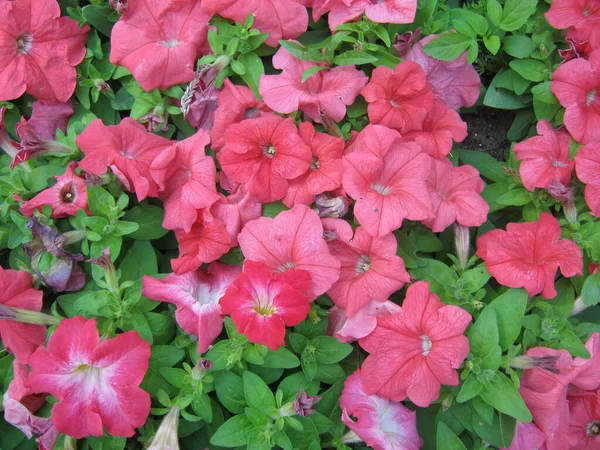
x=487, y=131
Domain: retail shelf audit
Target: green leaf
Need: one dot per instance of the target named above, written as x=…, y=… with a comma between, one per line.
x=329, y=350
x=483, y=336
x=516, y=13
x=530, y=69
x=254, y=70
x=256, y=392
x=295, y=382
x=233, y=433
x=140, y=260
x=494, y=11
x=230, y=391
x=149, y=218
x=492, y=43
x=510, y=308
x=515, y=197
x=479, y=23
x=99, y=200
x=177, y=377
x=503, y=396
x=448, y=47
x=518, y=45
x=353, y=58
x=543, y=93
x=569, y=341
x=311, y=71
x=281, y=358
x=591, y=290
x=488, y=166
x=446, y=439
x=301, y=52
x=470, y=388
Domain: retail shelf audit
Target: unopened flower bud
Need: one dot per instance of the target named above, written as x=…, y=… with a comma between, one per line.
x=6, y=143
x=101, y=85
x=578, y=306
x=331, y=127
x=564, y=194
x=118, y=5
x=110, y=271
x=403, y=42
x=303, y=403
x=70, y=443
x=201, y=368
x=534, y=362
x=328, y=206
x=461, y=241
x=166, y=437
x=26, y=316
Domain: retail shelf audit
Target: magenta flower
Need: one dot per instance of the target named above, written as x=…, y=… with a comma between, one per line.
x=235, y=210
x=587, y=165
x=349, y=329
x=581, y=16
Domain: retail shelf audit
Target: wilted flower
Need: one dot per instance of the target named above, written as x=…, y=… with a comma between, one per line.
x=403, y=42
x=575, y=50
x=6, y=143
x=303, y=403
x=564, y=195
x=328, y=206
x=546, y=362
x=118, y=5
x=166, y=436
x=156, y=120
x=110, y=271
x=461, y=241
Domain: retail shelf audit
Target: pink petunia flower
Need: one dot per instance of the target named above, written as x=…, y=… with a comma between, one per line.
x=576, y=49
x=66, y=197
x=582, y=16
x=159, y=42
x=45, y=120
x=382, y=424
x=456, y=83
x=388, y=188
x=545, y=158
x=375, y=139
x=235, y=210
x=128, y=149
x=349, y=329
x=456, y=196
x=399, y=98
x=527, y=255
x=584, y=407
x=440, y=128
x=262, y=302
x=236, y=103
x=381, y=11
x=418, y=349
x=325, y=172
x=264, y=153
x=206, y=242
x=186, y=180
x=329, y=90
x=577, y=85
x=16, y=291
x=196, y=296
x=40, y=51
x=527, y=436
x=280, y=19
x=370, y=269
x=587, y=165
x=292, y=240
x=95, y=383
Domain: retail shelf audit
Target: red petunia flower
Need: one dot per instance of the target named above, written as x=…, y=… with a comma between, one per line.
x=584, y=425
x=587, y=165
x=577, y=85
x=186, y=180
x=206, y=242
x=16, y=291
x=456, y=196
x=292, y=240
x=325, y=172
x=196, y=296
x=95, y=383
x=440, y=128
x=388, y=188
x=236, y=103
x=417, y=350
x=527, y=255
x=399, y=98
x=381, y=11
x=576, y=49
x=280, y=19
x=545, y=158
x=159, y=42
x=375, y=139
x=329, y=90
x=40, y=50
x=235, y=210
x=370, y=269
x=66, y=197
x=456, y=83
x=128, y=149
x=361, y=324
x=582, y=16
x=264, y=153
x=262, y=302
x=382, y=424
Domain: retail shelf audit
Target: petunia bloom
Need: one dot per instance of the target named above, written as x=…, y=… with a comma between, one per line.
x=325, y=172
x=280, y=19
x=456, y=83
x=580, y=15
x=418, y=349
x=329, y=90
x=576, y=84
x=382, y=424
x=66, y=197
x=292, y=240
x=95, y=383
x=527, y=435
x=235, y=209
x=159, y=42
x=128, y=149
x=587, y=165
x=196, y=296
x=388, y=188
x=16, y=291
x=235, y=103
x=527, y=255
x=545, y=158
x=370, y=269
x=264, y=153
x=349, y=329
x=186, y=180
x=455, y=193
x=262, y=302
x=40, y=51
x=398, y=98
x=584, y=425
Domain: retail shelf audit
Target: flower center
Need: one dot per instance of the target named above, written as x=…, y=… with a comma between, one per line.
x=383, y=190
x=557, y=163
x=586, y=12
x=288, y=265
x=591, y=97
x=126, y=154
x=67, y=193
x=314, y=164
x=24, y=44
x=363, y=265
x=393, y=103
x=264, y=308
x=426, y=344
x=170, y=43
x=269, y=150
x=593, y=428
